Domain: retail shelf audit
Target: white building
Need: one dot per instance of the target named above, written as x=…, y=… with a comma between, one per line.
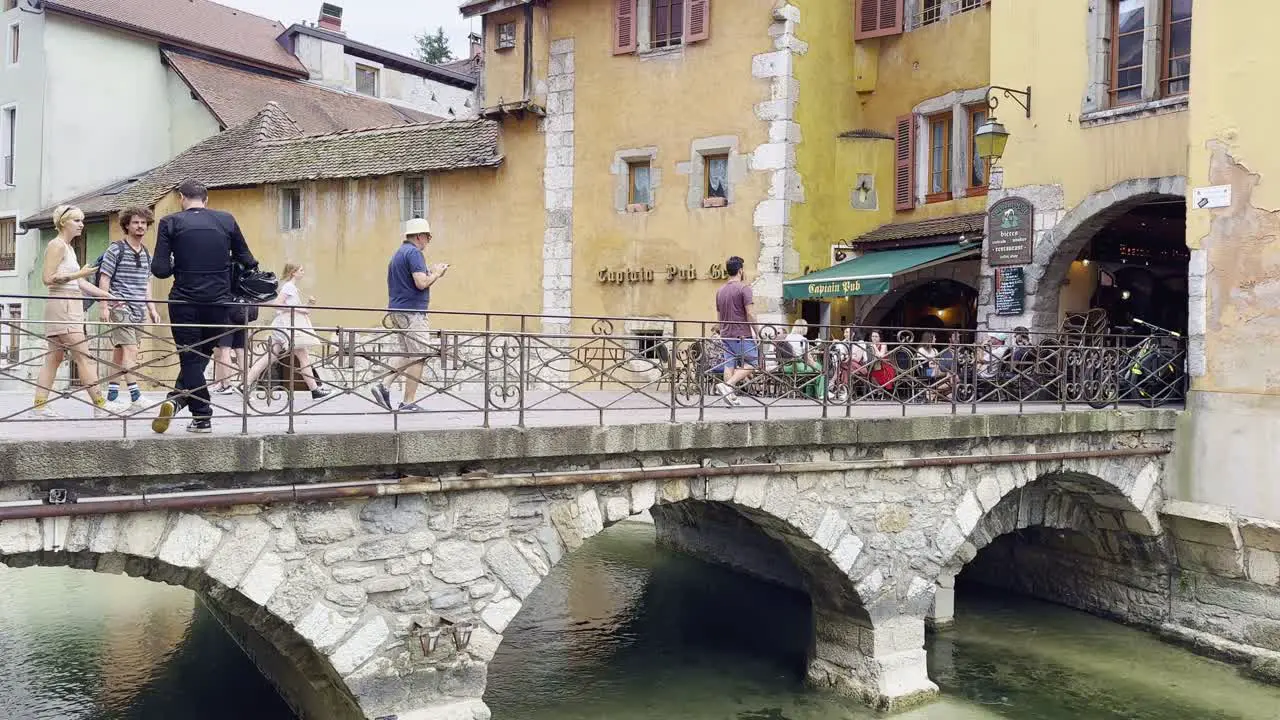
x=96, y=92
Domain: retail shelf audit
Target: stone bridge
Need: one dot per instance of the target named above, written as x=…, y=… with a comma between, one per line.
x=352, y=566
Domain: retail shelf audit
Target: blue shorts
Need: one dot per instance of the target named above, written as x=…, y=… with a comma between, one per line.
x=738, y=352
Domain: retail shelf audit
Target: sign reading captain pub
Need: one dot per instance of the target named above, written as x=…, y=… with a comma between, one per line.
x=1009, y=232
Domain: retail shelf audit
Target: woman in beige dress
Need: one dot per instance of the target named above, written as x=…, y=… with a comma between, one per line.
x=64, y=312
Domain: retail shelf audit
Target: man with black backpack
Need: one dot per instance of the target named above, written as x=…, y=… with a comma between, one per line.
x=198, y=248
x=125, y=272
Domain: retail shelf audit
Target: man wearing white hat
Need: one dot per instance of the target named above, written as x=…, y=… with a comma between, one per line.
x=409, y=281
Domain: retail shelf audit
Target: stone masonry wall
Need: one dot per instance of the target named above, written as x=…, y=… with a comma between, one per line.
x=347, y=586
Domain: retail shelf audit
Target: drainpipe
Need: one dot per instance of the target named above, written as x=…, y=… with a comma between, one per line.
x=319, y=492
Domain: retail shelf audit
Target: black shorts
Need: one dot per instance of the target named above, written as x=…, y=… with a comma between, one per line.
x=233, y=339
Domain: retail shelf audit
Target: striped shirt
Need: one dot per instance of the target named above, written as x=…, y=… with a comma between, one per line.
x=130, y=274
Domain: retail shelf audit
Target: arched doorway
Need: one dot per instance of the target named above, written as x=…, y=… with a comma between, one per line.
x=1140, y=216
x=935, y=304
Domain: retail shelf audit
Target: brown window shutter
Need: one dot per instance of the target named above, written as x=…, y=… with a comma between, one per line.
x=624, y=26
x=904, y=164
x=877, y=18
x=698, y=23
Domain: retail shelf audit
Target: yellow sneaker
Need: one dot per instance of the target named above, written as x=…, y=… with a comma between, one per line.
x=161, y=423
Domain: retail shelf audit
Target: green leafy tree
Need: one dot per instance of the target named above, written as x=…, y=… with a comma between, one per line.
x=434, y=47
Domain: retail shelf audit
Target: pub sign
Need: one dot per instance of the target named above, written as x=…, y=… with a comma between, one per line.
x=1010, y=237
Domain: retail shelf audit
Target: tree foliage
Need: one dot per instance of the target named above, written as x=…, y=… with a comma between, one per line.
x=433, y=47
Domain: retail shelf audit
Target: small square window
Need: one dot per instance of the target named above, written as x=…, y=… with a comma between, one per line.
x=649, y=345
x=413, y=198
x=715, y=170
x=639, y=184
x=290, y=209
x=930, y=11
x=666, y=23
x=367, y=80
x=506, y=36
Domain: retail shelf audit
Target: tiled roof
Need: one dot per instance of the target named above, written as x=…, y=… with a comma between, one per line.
x=466, y=66
x=270, y=148
x=944, y=226
x=235, y=96
x=193, y=23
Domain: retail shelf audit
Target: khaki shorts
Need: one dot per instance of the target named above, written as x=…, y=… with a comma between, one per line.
x=123, y=334
x=414, y=335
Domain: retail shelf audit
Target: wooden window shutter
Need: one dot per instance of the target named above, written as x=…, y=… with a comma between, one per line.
x=698, y=23
x=878, y=18
x=904, y=164
x=624, y=26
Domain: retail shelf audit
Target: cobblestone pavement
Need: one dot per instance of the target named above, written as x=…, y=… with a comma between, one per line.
x=352, y=412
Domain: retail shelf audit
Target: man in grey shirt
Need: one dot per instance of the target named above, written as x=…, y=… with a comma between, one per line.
x=126, y=274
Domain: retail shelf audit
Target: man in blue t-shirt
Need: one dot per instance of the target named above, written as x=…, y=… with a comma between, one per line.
x=409, y=281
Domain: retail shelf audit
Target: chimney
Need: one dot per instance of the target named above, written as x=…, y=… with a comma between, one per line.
x=330, y=18
x=476, y=49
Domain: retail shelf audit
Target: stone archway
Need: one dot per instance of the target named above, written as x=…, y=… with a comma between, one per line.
x=231, y=564
x=1058, y=244
x=872, y=650
x=1099, y=516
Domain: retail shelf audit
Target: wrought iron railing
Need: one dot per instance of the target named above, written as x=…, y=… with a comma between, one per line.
x=491, y=369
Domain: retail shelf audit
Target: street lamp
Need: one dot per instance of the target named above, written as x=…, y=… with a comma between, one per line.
x=991, y=138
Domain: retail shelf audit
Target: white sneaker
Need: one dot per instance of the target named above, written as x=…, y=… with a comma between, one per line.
x=726, y=391
x=111, y=409
x=44, y=412
x=137, y=406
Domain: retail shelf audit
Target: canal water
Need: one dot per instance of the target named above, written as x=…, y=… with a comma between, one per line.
x=621, y=630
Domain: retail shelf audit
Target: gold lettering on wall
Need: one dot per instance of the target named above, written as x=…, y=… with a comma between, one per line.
x=670, y=272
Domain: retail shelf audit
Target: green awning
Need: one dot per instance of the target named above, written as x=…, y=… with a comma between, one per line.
x=872, y=274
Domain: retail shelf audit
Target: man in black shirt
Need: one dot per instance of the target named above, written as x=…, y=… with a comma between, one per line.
x=195, y=247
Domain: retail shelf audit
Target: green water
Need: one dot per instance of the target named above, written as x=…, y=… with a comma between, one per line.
x=619, y=631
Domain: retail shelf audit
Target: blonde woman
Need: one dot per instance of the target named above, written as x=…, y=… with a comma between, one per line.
x=291, y=313
x=64, y=313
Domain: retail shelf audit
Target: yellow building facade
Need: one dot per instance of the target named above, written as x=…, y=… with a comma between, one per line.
x=679, y=134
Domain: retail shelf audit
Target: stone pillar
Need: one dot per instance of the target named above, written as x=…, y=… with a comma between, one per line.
x=943, y=613
x=558, y=185
x=882, y=663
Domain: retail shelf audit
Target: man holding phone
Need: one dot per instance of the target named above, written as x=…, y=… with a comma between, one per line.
x=409, y=281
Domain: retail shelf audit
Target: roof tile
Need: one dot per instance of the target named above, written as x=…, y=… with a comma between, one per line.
x=235, y=96
x=270, y=148
x=193, y=23
x=944, y=226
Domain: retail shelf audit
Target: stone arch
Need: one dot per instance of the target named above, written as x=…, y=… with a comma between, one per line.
x=232, y=564
x=1060, y=245
x=1104, y=507
x=874, y=314
x=870, y=650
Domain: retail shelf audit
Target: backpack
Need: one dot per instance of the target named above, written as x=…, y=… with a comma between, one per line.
x=97, y=275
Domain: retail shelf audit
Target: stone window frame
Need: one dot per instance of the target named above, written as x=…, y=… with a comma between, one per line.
x=701, y=149
x=1095, y=108
x=913, y=11
x=621, y=171
x=959, y=103
x=644, y=33
x=657, y=327
x=406, y=209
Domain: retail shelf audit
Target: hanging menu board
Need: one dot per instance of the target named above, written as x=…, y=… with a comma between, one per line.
x=1009, y=232
x=1011, y=289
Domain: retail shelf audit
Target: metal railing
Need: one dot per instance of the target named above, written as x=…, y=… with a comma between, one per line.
x=492, y=369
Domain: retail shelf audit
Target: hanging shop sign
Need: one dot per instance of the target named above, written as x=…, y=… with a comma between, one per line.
x=1010, y=237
